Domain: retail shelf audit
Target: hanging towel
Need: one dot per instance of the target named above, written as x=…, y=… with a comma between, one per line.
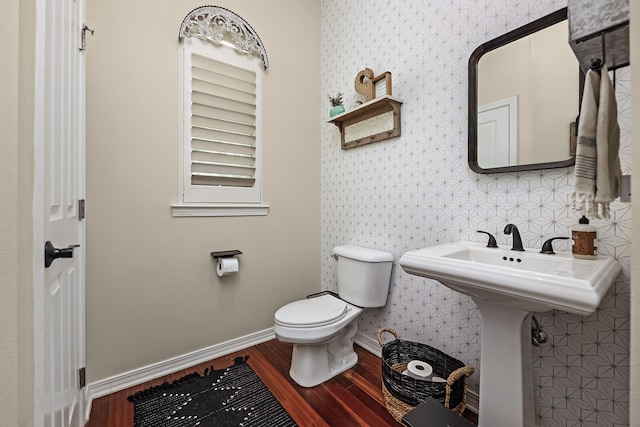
x=584, y=185
x=597, y=170
x=608, y=173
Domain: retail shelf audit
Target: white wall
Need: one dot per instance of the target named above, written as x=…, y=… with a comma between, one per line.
x=152, y=290
x=635, y=248
x=417, y=191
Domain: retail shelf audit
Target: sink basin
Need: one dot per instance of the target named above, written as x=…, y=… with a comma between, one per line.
x=507, y=286
x=526, y=280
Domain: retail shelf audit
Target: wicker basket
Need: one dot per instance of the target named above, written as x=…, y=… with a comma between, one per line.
x=402, y=393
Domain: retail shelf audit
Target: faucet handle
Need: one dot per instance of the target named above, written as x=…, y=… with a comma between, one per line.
x=547, y=247
x=492, y=240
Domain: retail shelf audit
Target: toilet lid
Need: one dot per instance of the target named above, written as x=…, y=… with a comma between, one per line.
x=318, y=311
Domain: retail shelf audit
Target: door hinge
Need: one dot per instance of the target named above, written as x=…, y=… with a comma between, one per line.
x=82, y=378
x=83, y=42
x=81, y=210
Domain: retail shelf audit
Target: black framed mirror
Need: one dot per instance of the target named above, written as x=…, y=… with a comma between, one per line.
x=524, y=96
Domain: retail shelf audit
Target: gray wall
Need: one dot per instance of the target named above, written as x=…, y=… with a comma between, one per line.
x=8, y=210
x=152, y=291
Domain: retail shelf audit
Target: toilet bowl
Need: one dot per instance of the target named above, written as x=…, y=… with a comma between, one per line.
x=323, y=345
x=322, y=327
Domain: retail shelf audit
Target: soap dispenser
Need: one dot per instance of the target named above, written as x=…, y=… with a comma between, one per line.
x=584, y=239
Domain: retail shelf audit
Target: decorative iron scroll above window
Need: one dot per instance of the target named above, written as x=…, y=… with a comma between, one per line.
x=215, y=24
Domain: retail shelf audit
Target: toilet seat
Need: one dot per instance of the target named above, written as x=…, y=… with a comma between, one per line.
x=311, y=312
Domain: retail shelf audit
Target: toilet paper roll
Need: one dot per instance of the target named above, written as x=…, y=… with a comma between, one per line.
x=419, y=370
x=227, y=265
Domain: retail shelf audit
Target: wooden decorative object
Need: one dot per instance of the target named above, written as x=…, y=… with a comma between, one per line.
x=364, y=112
x=386, y=76
x=365, y=83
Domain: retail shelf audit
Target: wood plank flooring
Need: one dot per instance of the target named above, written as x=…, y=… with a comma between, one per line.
x=353, y=398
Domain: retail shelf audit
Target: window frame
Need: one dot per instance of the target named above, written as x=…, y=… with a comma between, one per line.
x=202, y=200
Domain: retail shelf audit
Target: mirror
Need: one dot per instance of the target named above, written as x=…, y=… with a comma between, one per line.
x=524, y=94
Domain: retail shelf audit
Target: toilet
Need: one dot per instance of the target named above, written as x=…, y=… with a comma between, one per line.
x=322, y=328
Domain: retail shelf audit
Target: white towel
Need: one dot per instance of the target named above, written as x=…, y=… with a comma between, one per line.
x=597, y=170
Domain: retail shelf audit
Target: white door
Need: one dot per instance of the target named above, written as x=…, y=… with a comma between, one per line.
x=497, y=134
x=58, y=187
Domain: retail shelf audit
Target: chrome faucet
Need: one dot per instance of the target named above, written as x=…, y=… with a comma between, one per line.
x=517, y=241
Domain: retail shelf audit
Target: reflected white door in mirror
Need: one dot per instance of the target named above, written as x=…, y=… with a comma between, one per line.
x=498, y=133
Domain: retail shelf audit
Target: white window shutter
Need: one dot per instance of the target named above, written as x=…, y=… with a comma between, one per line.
x=221, y=125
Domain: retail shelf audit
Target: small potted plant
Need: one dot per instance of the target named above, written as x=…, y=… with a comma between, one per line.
x=336, y=105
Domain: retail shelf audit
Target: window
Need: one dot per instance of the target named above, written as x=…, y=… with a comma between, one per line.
x=221, y=112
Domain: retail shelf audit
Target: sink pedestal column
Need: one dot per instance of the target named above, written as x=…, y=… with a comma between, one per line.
x=506, y=373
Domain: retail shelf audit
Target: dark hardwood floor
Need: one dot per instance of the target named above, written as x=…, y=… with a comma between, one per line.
x=353, y=398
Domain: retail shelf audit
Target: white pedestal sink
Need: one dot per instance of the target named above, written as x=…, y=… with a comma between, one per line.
x=507, y=286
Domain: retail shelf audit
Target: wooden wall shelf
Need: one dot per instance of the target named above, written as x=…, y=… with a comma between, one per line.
x=368, y=110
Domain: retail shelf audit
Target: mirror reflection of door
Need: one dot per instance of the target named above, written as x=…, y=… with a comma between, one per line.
x=498, y=133
x=542, y=71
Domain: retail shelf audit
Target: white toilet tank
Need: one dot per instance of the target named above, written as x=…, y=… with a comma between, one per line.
x=363, y=275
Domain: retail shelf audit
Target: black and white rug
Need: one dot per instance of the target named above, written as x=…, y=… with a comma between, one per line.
x=234, y=396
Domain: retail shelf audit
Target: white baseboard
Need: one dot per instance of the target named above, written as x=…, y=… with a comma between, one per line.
x=141, y=375
x=372, y=346
x=368, y=344
x=473, y=401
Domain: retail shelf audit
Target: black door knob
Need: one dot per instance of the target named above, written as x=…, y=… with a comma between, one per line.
x=51, y=253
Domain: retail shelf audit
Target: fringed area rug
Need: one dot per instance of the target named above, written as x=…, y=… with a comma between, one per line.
x=234, y=396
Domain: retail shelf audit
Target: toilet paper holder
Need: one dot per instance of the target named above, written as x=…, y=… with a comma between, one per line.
x=225, y=254
x=226, y=262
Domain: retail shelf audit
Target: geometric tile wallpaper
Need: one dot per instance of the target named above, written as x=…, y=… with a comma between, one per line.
x=417, y=190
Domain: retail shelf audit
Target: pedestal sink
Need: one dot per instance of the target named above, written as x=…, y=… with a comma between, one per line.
x=507, y=286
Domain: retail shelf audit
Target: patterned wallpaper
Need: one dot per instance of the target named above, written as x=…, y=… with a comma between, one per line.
x=417, y=190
